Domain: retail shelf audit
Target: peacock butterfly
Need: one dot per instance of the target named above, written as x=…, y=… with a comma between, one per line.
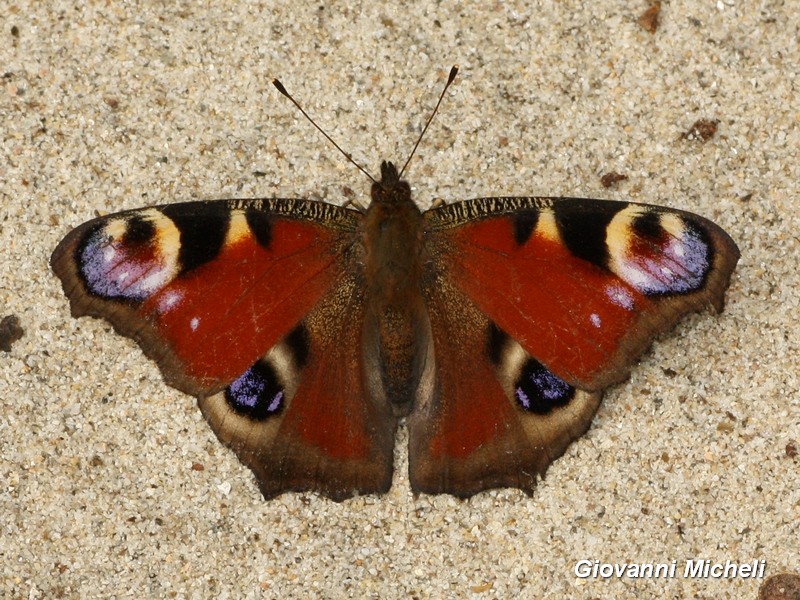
x=307, y=331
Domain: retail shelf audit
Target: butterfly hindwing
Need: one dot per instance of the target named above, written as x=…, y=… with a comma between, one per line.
x=303, y=418
x=496, y=417
x=536, y=305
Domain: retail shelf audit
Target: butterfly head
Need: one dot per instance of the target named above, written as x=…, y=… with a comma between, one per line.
x=390, y=189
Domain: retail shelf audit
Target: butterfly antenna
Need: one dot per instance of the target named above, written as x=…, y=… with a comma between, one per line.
x=450, y=78
x=283, y=91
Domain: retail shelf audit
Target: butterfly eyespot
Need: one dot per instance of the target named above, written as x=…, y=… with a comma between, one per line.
x=266, y=387
x=130, y=258
x=137, y=230
x=257, y=394
x=539, y=391
x=658, y=254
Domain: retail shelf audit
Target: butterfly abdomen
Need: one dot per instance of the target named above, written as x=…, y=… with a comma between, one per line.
x=396, y=326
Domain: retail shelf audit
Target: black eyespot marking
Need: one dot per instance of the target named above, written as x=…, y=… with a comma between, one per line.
x=648, y=225
x=536, y=389
x=256, y=394
x=524, y=224
x=495, y=343
x=138, y=230
x=582, y=225
x=297, y=342
x=261, y=225
x=203, y=231
x=539, y=391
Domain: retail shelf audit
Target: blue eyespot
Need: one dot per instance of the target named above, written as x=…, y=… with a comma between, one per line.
x=539, y=391
x=257, y=393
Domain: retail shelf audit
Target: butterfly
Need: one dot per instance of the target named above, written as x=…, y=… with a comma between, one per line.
x=309, y=331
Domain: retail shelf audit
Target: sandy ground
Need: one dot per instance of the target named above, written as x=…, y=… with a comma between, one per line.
x=113, y=484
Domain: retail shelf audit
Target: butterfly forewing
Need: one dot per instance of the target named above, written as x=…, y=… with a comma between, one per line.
x=582, y=284
x=205, y=287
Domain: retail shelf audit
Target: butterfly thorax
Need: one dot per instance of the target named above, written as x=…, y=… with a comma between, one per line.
x=395, y=329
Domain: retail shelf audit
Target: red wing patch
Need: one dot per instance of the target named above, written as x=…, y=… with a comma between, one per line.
x=213, y=318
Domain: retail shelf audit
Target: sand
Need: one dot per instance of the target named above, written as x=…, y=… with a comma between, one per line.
x=112, y=483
